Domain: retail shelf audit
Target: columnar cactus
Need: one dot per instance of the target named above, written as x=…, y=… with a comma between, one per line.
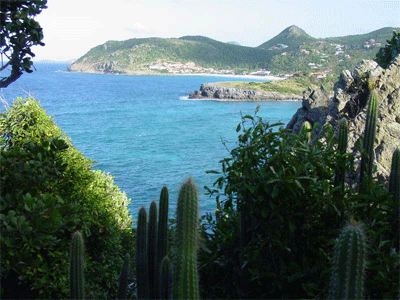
x=367, y=158
x=186, y=284
x=142, y=266
x=77, y=276
x=123, y=281
x=165, y=279
x=342, y=147
x=152, y=250
x=306, y=129
x=162, y=238
x=348, y=272
x=394, y=181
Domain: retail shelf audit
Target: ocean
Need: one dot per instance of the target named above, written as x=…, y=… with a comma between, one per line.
x=144, y=130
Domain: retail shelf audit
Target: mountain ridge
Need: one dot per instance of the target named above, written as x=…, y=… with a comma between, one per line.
x=292, y=50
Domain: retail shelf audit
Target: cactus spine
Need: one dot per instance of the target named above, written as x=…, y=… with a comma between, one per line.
x=123, y=281
x=77, y=277
x=186, y=279
x=347, y=281
x=342, y=147
x=367, y=158
x=142, y=267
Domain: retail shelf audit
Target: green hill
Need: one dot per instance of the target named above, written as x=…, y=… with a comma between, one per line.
x=189, y=53
x=292, y=50
x=288, y=40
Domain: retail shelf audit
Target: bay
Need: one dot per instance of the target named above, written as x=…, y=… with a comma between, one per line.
x=143, y=130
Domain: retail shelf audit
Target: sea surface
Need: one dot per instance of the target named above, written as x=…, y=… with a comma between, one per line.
x=144, y=130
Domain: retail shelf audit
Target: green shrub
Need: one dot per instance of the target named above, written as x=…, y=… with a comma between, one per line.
x=388, y=53
x=48, y=191
x=279, y=214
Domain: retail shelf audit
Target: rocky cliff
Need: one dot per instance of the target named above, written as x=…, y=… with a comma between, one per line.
x=213, y=91
x=349, y=101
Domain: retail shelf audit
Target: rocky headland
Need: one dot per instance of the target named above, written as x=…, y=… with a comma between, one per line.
x=216, y=92
x=349, y=101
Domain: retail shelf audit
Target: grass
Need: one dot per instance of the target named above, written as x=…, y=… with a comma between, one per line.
x=294, y=85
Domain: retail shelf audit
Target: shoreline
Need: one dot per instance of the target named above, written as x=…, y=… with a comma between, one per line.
x=256, y=77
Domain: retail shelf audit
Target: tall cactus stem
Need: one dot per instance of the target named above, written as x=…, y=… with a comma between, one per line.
x=394, y=189
x=77, y=277
x=186, y=284
x=123, y=281
x=367, y=158
x=306, y=129
x=165, y=279
x=162, y=238
x=152, y=250
x=394, y=181
x=142, y=267
x=340, y=175
x=348, y=272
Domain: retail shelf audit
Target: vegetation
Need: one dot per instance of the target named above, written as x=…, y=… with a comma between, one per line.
x=387, y=54
x=19, y=32
x=294, y=85
x=292, y=50
x=48, y=191
x=277, y=199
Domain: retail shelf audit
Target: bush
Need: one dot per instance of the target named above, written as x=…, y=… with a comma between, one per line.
x=279, y=214
x=387, y=54
x=48, y=191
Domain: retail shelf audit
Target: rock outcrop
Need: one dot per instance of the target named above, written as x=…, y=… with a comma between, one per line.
x=213, y=91
x=349, y=101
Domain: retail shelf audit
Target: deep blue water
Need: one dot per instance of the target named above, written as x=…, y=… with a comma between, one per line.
x=142, y=129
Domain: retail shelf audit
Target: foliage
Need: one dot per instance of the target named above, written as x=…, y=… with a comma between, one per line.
x=279, y=191
x=48, y=191
x=19, y=32
x=388, y=53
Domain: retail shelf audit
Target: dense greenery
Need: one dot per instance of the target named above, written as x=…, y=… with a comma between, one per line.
x=48, y=191
x=279, y=214
x=19, y=33
x=388, y=53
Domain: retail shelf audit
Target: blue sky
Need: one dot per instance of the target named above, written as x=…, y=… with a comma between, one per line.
x=72, y=27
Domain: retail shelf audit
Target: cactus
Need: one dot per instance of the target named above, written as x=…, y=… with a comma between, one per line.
x=77, y=277
x=162, y=238
x=165, y=279
x=348, y=272
x=342, y=147
x=367, y=158
x=306, y=129
x=152, y=250
x=142, y=267
x=394, y=181
x=186, y=279
x=123, y=281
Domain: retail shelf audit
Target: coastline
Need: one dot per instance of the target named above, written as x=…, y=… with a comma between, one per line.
x=141, y=73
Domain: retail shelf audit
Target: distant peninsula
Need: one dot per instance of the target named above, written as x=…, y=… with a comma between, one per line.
x=291, y=51
x=290, y=89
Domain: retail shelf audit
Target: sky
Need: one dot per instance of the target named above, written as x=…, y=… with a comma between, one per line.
x=73, y=27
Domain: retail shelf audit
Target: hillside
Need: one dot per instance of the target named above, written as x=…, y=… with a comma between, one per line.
x=184, y=55
x=292, y=50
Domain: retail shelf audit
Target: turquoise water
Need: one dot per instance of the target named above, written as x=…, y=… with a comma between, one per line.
x=142, y=129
